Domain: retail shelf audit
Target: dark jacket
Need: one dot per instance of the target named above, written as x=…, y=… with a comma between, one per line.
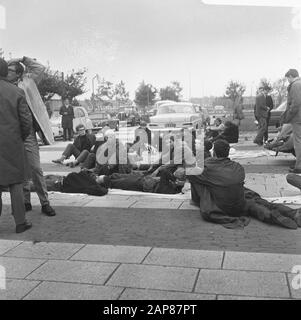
x=67, y=117
x=225, y=180
x=15, y=126
x=85, y=142
x=292, y=113
x=261, y=110
x=230, y=134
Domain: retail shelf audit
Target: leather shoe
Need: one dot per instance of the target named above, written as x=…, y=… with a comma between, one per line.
x=23, y=227
x=297, y=217
x=294, y=170
x=48, y=210
x=283, y=221
x=28, y=207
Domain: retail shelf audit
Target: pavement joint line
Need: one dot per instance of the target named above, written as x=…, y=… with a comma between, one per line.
x=196, y=281
x=223, y=260
x=4, y=253
x=46, y=261
x=288, y=284
x=259, y=297
x=122, y=292
x=111, y=275
x=82, y=247
x=30, y=291
x=150, y=250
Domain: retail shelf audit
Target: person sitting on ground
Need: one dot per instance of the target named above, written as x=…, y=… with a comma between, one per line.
x=214, y=131
x=230, y=133
x=219, y=192
x=80, y=148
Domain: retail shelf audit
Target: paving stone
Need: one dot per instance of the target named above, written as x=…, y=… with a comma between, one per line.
x=6, y=245
x=74, y=271
x=185, y=258
x=294, y=281
x=257, y=284
x=154, y=277
x=71, y=291
x=44, y=250
x=17, y=289
x=261, y=261
x=228, y=297
x=158, y=204
x=187, y=206
x=122, y=254
x=142, y=294
x=19, y=268
x=109, y=203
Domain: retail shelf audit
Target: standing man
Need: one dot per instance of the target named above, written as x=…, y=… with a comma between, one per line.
x=270, y=104
x=261, y=115
x=15, y=126
x=292, y=113
x=27, y=79
x=67, y=114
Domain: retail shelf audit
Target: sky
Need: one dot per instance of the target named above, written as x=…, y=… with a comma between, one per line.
x=200, y=45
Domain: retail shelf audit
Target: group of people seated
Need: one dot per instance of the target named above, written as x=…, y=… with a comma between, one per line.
x=217, y=185
x=227, y=131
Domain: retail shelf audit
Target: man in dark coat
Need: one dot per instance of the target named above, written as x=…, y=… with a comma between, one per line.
x=261, y=112
x=270, y=105
x=67, y=113
x=15, y=126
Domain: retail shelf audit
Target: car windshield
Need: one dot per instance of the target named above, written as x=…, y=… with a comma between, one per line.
x=176, y=108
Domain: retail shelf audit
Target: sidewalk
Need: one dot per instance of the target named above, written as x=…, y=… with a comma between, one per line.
x=78, y=271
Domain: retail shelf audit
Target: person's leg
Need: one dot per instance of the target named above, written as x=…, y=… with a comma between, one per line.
x=89, y=162
x=297, y=144
x=266, y=133
x=17, y=203
x=33, y=157
x=70, y=134
x=69, y=151
x=262, y=126
x=65, y=134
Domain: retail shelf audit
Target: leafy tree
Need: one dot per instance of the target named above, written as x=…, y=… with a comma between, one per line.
x=279, y=90
x=235, y=90
x=49, y=85
x=105, y=91
x=145, y=95
x=172, y=92
x=73, y=84
x=265, y=84
x=120, y=93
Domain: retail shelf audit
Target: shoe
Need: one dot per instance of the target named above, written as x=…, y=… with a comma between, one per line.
x=285, y=222
x=23, y=227
x=292, y=167
x=48, y=210
x=258, y=143
x=58, y=161
x=294, y=170
x=72, y=164
x=297, y=217
x=28, y=207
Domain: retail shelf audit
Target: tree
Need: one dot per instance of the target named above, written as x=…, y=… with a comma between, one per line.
x=172, y=92
x=235, y=90
x=279, y=91
x=145, y=95
x=73, y=84
x=120, y=93
x=49, y=84
x=105, y=91
x=265, y=84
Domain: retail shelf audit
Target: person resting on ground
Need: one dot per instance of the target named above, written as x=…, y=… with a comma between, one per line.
x=80, y=148
x=283, y=142
x=214, y=131
x=219, y=192
x=230, y=133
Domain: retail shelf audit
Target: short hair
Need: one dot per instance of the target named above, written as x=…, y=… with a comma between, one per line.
x=18, y=67
x=292, y=73
x=3, y=68
x=80, y=126
x=219, y=120
x=221, y=148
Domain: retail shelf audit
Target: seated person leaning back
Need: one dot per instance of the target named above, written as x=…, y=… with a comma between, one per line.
x=80, y=148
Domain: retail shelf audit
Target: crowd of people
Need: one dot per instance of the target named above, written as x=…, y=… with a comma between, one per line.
x=217, y=183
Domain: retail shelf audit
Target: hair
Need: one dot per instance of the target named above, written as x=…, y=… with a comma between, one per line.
x=221, y=148
x=208, y=145
x=3, y=68
x=78, y=127
x=219, y=120
x=292, y=73
x=19, y=67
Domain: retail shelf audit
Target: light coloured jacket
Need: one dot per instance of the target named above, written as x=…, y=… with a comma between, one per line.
x=292, y=113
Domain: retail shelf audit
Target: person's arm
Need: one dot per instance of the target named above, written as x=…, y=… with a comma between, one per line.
x=25, y=117
x=34, y=69
x=62, y=113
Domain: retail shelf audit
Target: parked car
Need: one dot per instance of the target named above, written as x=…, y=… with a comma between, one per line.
x=80, y=117
x=176, y=115
x=276, y=114
x=100, y=119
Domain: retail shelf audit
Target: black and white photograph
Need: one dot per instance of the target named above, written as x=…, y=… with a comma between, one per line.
x=150, y=151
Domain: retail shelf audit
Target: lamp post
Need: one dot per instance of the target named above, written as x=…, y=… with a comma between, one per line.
x=93, y=91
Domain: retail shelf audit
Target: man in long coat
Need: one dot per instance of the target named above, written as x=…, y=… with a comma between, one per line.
x=67, y=114
x=15, y=126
